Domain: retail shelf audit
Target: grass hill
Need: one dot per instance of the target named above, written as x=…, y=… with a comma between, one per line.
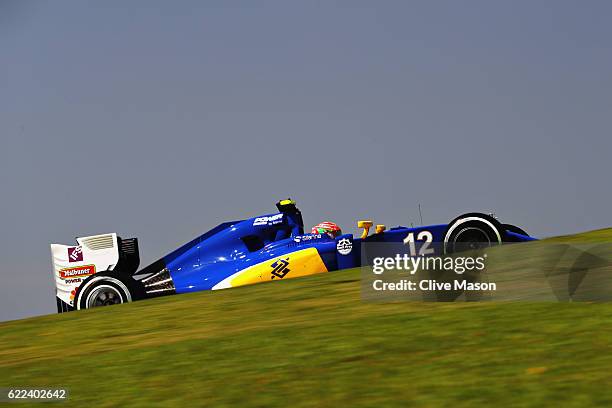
x=315, y=342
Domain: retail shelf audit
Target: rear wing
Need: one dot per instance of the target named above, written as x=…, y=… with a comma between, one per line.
x=92, y=254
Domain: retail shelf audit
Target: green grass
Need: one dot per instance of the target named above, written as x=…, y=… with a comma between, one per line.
x=600, y=235
x=314, y=342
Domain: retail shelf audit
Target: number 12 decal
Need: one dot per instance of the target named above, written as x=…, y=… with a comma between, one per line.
x=426, y=237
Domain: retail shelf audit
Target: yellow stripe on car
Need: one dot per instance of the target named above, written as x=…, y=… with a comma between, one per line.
x=292, y=265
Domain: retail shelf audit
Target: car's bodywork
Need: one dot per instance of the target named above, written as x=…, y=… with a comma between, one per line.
x=265, y=248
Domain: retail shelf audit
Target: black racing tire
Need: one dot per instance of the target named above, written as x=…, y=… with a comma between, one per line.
x=515, y=229
x=472, y=231
x=106, y=289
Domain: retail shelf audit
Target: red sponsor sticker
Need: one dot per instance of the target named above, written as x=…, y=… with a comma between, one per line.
x=75, y=254
x=77, y=271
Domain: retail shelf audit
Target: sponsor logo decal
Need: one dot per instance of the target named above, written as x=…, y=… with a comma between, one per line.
x=344, y=246
x=75, y=254
x=269, y=220
x=280, y=268
x=77, y=272
x=301, y=238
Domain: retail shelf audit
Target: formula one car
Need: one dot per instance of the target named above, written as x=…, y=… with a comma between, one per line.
x=103, y=269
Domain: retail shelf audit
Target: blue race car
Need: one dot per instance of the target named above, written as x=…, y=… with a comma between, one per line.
x=103, y=270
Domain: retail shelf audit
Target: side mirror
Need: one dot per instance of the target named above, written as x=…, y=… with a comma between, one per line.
x=366, y=225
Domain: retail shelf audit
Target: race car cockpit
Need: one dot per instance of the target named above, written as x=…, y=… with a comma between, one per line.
x=294, y=223
x=275, y=227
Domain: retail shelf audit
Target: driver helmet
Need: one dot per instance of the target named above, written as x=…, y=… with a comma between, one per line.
x=328, y=228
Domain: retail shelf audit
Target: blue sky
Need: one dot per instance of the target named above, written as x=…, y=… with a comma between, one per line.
x=161, y=119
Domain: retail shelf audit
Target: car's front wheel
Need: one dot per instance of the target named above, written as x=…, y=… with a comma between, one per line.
x=472, y=231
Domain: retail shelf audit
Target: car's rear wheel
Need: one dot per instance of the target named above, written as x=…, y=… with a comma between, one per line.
x=106, y=295
x=105, y=289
